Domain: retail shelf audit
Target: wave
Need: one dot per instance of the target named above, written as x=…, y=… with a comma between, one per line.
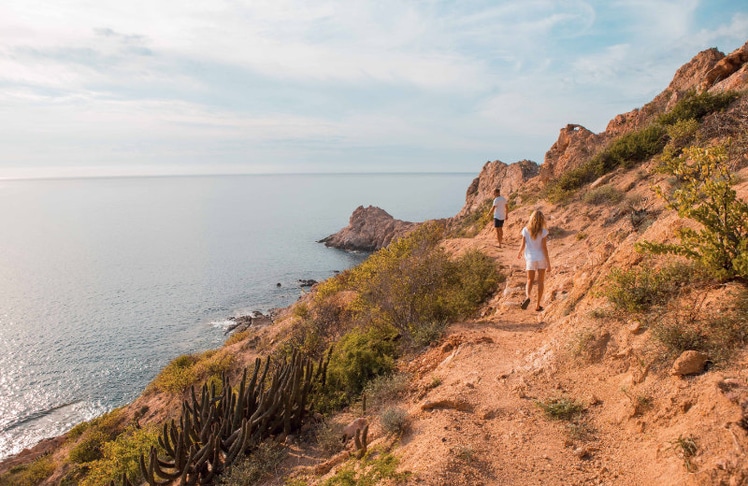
x=37, y=415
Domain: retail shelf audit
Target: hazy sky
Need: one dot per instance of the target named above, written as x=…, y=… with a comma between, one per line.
x=166, y=86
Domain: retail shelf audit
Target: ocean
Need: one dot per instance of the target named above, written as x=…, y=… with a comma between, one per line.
x=103, y=281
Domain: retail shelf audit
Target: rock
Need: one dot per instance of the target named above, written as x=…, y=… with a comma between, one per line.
x=689, y=363
x=307, y=282
x=575, y=145
x=507, y=177
x=635, y=327
x=458, y=405
x=726, y=67
x=369, y=229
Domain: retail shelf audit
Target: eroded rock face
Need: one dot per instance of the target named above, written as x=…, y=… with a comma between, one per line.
x=369, y=229
x=507, y=177
x=574, y=146
x=722, y=75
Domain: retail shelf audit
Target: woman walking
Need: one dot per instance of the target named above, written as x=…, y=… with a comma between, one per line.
x=537, y=261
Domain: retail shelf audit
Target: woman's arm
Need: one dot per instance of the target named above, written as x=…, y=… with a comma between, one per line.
x=521, y=247
x=545, y=254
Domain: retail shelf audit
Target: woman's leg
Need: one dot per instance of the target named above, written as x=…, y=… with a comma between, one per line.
x=541, y=287
x=530, y=282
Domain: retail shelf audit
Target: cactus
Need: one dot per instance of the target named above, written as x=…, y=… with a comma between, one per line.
x=360, y=441
x=214, y=430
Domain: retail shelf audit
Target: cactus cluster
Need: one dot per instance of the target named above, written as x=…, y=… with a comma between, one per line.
x=222, y=424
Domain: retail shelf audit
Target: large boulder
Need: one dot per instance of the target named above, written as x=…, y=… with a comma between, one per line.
x=369, y=229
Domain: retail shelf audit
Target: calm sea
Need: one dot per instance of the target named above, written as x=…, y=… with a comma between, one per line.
x=104, y=281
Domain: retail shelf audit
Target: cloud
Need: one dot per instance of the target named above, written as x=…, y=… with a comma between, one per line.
x=410, y=82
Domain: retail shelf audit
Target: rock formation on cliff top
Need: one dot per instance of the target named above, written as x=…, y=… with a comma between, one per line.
x=369, y=229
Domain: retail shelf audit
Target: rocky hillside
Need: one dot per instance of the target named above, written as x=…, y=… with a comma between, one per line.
x=588, y=391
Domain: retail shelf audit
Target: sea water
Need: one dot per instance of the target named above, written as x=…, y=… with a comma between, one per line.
x=104, y=281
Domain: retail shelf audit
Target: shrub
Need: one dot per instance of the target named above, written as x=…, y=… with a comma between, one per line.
x=380, y=469
x=604, y=195
x=418, y=289
x=361, y=355
x=626, y=151
x=681, y=135
x=93, y=435
x=691, y=327
x=686, y=447
x=472, y=223
x=386, y=388
x=29, y=474
x=177, y=376
x=638, y=289
x=121, y=456
x=695, y=106
x=561, y=408
x=88, y=449
x=262, y=463
x=327, y=436
x=705, y=195
x=236, y=337
x=394, y=420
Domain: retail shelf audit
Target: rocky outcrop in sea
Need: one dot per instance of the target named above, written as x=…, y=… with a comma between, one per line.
x=369, y=229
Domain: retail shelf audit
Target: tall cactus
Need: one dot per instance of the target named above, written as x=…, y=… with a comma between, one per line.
x=214, y=430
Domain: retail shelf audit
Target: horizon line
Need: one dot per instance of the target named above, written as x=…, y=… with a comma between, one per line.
x=219, y=174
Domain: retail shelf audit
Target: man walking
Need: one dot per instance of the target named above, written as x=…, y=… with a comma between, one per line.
x=500, y=213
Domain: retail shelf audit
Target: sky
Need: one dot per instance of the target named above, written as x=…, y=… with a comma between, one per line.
x=146, y=87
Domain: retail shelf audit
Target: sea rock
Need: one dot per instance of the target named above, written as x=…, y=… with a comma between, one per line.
x=369, y=229
x=689, y=363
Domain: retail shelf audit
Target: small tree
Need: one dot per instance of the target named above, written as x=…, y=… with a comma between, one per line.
x=704, y=194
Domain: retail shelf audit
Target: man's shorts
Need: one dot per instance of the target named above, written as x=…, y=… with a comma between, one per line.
x=498, y=223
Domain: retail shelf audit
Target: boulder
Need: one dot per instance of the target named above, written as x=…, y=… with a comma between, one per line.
x=369, y=229
x=689, y=363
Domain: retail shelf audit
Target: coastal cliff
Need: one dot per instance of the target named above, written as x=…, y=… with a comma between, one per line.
x=580, y=393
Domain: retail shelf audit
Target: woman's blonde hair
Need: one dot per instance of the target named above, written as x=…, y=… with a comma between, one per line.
x=536, y=223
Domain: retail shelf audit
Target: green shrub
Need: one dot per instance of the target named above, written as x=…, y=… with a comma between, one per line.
x=639, y=289
x=88, y=449
x=177, y=376
x=29, y=474
x=418, y=292
x=379, y=469
x=695, y=106
x=472, y=223
x=625, y=151
x=561, y=408
x=604, y=195
x=681, y=134
x=361, y=355
x=705, y=195
x=121, y=455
